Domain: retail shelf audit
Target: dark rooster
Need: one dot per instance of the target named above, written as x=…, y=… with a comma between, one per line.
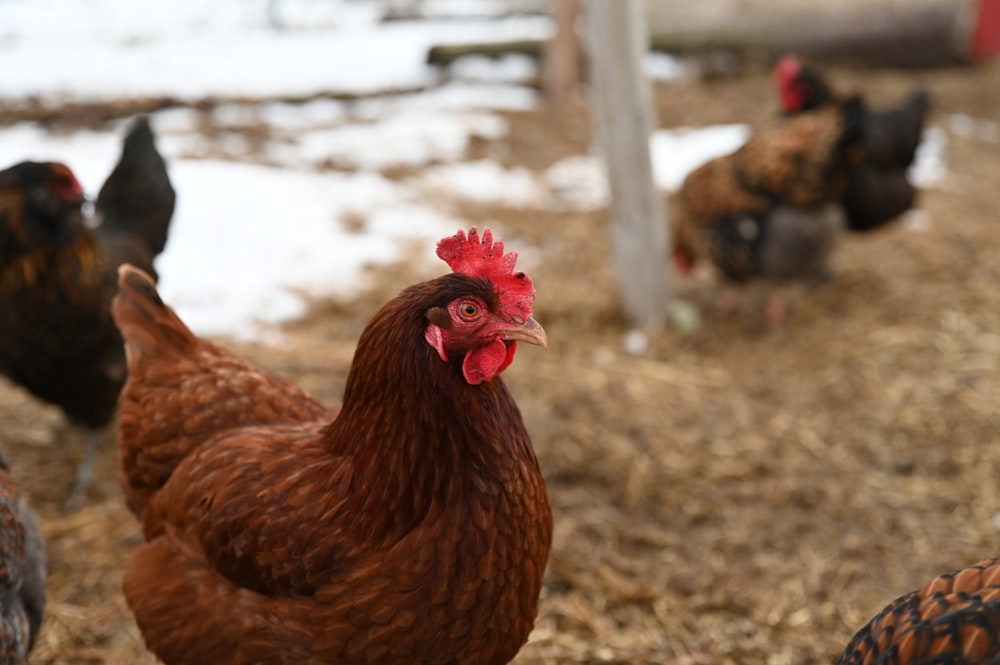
x=953, y=620
x=412, y=527
x=879, y=189
x=22, y=573
x=57, y=278
x=769, y=210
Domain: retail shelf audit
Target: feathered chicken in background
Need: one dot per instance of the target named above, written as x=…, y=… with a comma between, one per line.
x=412, y=527
x=769, y=210
x=879, y=189
x=22, y=573
x=953, y=619
x=57, y=278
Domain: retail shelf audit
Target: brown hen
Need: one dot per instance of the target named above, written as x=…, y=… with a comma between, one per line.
x=953, y=620
x=412, y=527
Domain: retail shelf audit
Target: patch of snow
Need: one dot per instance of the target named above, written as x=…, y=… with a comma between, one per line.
x=578, y=182
x=928, y=168
x=484, y=182
x=665, y=67
x=678, y=151
x=968, y=127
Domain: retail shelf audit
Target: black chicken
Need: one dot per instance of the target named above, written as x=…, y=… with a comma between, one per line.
x=878, y=189
x=57, y=278
x=22, y=573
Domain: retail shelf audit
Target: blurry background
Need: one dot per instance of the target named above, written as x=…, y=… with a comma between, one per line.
x=724, y=492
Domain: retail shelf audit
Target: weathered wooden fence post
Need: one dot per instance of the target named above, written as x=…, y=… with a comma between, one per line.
x=562, y=52
x=622, y=108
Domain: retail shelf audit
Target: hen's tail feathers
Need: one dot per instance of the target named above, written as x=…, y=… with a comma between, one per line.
x=146, y=323
x=913, y=116
x=138, y=198
x=893, y=135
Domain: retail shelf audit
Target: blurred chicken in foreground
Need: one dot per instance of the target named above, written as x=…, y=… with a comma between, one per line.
x=954, y=619
x=879, y=189
x=410, y=528
x=770, y=210
x=22, y=573
x=57, y=278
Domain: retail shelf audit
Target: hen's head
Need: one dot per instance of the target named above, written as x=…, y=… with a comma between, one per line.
x=483, y=323
x=43, y=202
x=801, y=88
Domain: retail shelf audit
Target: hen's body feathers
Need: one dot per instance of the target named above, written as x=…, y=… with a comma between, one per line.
x=953, y=620
x=412, y=527
x=22, y=573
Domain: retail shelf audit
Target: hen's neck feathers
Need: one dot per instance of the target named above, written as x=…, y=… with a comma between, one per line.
x=417, y=432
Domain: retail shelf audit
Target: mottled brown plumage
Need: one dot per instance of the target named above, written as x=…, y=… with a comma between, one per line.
x=57, y=278
x=953, y=620
x=412, y=527
x=22, y=573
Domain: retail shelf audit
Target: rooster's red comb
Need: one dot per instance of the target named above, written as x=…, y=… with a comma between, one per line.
x=485, y=258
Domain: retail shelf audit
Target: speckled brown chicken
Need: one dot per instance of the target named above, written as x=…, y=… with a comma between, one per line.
x=22, y=573
x=411, y=527
x=953, y=620
x=769, y=209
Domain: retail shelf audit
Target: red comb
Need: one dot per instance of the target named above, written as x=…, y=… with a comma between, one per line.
x=787, y=68
x=468, y=255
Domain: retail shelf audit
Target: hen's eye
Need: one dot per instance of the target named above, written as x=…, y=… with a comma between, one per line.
x=468, y=310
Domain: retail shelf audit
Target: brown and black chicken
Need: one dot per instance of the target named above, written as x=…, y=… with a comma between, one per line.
x=770, y=210
x=879, y=189
x=22, y=573
x=57, y=278
x=954, y=619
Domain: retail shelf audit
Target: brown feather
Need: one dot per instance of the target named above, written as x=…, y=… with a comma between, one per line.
x=413, y=527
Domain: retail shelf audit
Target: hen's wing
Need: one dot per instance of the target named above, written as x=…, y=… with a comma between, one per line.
x=286, y=540
x=186, y=391
x=136, y=202
x=954, y=620
x=804, y=161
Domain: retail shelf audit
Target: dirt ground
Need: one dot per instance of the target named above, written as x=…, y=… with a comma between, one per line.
x=735, y=495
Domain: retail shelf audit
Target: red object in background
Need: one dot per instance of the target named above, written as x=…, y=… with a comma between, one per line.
x=986, y=41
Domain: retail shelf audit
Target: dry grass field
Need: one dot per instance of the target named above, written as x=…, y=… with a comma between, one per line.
x=734, y=495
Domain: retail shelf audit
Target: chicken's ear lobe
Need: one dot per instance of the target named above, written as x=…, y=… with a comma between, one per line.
x=435, y=337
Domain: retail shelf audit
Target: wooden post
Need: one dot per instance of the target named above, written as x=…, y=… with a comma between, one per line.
x=562, y=52
x=622, y=109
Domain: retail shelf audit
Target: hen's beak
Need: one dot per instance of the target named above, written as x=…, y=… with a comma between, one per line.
x=530, y=331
